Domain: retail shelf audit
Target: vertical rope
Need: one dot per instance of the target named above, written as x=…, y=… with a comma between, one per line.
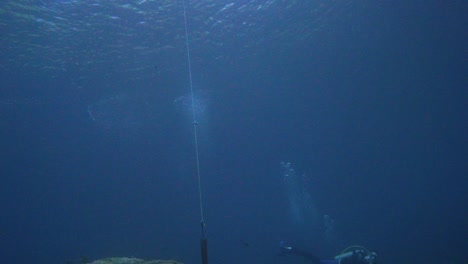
x=194, y=123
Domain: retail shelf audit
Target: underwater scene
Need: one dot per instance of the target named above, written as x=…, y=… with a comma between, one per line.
x=233, y=131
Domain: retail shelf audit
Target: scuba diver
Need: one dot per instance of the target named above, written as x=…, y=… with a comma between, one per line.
x=350, y=255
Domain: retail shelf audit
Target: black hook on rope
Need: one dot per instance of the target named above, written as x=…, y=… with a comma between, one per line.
x=204, y=245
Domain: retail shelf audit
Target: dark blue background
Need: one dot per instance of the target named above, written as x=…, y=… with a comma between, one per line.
x=372, y=110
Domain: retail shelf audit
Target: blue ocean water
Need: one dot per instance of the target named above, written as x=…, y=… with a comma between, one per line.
x=323, y=124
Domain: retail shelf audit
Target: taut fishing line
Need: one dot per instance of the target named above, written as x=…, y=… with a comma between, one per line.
x=203, y=240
